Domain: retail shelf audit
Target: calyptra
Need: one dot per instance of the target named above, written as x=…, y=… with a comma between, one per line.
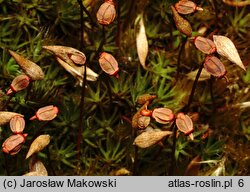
x=35, y=165
x=181, y=24
x=29, y=68
x=142, y=43
x=72, y=60
x=149, y=138
x=38, y=144
x=226, y=48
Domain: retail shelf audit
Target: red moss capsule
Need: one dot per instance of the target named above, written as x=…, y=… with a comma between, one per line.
x=187, y=7
x=19, y=83
x=46, y=113
x=146, y=112
x=205, y=45
x=106, y=13
x=163, y=115
x=108, y=64
x=14, y=143
x=185, y=124
x=214, y=66
x=17, y=124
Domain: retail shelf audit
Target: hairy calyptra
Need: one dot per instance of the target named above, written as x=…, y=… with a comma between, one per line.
x=35, y=165
x=181, y=24
x=72, y=61
x=149, y=138
x=226, y=48
x=142, y=43
x=38, y=144
x=29, y=68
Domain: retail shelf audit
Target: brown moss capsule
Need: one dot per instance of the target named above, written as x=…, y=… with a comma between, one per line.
x=163, y=115
x=187, y=7
x=46, y=113
x=70, y=55
x=214, y=66
x=108, y=64
x=17, y=124
x=19, y=83
x=106, y=13
x=29, y=68
x=205, y=45
x=185, y=124
x=14, y=143
x=181, y=24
